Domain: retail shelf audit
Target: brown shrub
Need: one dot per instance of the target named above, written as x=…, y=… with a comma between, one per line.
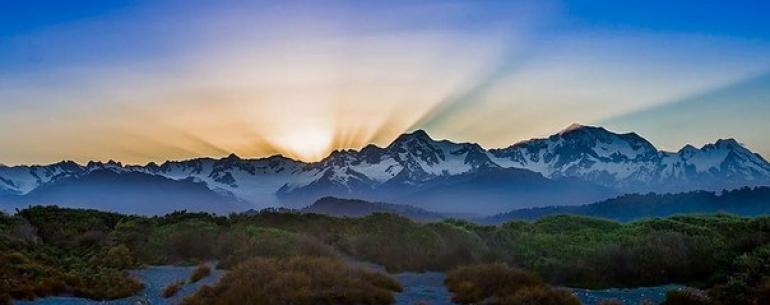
x=199, y=273
x=540, y=295
x=687, y=297
x=299, y=281
x=172, y=289
x=473, y=284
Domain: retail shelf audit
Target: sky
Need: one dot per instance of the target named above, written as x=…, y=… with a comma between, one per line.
x=141, y=81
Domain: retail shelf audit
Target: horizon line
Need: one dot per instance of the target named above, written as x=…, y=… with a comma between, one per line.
x=571, y=127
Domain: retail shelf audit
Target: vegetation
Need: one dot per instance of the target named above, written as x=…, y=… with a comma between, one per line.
x=497, y=284
x=299, y=281
x=474, y=284
x=200, y=273
x=172, y=289
x=687, y=297
x=54, y=251
x=48, y=251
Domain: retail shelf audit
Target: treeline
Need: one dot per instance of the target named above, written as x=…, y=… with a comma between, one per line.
x=745, y=202
x=49, y=250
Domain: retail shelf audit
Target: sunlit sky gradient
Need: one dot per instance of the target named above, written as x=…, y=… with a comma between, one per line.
x=141, y=81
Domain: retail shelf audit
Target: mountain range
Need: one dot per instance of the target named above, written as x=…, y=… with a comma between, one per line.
x=745, y=201
x=578, y=165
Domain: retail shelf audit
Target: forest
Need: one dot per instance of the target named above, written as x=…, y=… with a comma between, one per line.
x=56, y=251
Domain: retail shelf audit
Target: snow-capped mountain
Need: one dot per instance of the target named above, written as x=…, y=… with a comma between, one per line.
x=576, y=165
x=126, y=192
x=410, y=161
x=628, y=162
x=724, y=164
x=19, y=180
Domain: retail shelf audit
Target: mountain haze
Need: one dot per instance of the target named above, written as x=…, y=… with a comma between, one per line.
x=578, y=165
x=128, y=192
x=749, y=202
x=359, y=208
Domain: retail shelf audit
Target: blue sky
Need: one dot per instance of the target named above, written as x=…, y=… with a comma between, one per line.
x=179, y=79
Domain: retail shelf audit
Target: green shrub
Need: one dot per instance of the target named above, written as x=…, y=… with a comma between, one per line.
x=53, y=251
x=119, y=257
x=103, y=284
x=246, y=241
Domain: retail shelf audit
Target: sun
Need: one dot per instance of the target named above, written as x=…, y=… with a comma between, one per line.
x=306, y=145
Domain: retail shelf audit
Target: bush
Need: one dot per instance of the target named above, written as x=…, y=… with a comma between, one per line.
x=539, y=295
x=188, y=241
x=54, y=251
x=119, y=257
x=199, y=273
x=246, y=241
x=172, y=289
x=478, y=283
x=687, y=297
x=103, y=284
x=298, y=281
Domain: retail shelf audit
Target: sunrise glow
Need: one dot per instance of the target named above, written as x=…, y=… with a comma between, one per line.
x=210, y=80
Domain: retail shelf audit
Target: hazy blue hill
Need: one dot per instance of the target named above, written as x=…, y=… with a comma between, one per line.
x=490, y=190
x=130, y=192
x=745, y=202
x=358, y=208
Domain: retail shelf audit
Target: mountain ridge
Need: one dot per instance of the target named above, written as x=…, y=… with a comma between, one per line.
x=600, y=160
x=747, y=202
x=127, y=192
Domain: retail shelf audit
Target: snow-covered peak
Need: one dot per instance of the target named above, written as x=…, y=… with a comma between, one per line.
x=725, y=157
x=417, y=135
x=109, y=165
x=233, y=157
x=577, y=150
x=687, y=149
x=628, y=161
x=23, y=179
x=623, y=161
x=729, y=144
x=571, y=127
